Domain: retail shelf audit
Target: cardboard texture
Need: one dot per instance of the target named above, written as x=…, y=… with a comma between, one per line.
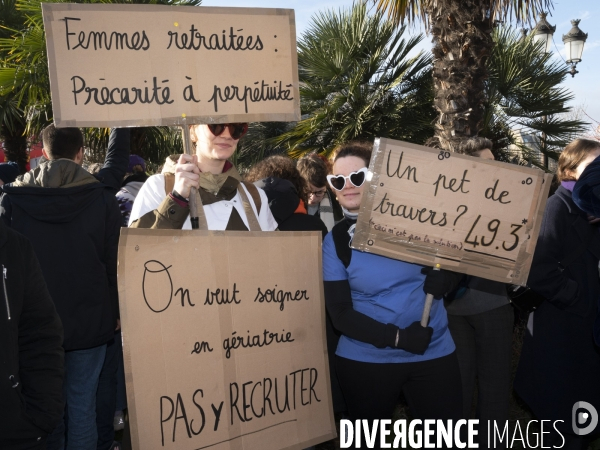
x=146, y=65
x=185, y=297
x=467, y=214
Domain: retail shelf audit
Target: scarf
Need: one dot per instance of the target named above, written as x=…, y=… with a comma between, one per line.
x=568, y=185
x=213, y=183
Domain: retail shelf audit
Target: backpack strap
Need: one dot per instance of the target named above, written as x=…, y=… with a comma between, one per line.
x=341, y=240
x=169, y=182
x=253, y=190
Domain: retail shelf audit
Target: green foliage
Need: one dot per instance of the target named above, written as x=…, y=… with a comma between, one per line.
x=523, y=92
x=357, y=82
x=153, y=144
x=258, y=144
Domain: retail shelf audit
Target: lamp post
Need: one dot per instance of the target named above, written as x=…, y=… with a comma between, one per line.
x=574, y=41
x=543, y=32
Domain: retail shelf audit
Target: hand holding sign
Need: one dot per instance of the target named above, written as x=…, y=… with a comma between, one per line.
x=187, y=175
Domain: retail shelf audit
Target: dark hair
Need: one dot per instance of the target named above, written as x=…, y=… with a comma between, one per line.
x=573, y=155
x=279, y=166
x=314, y=169
x=362, y=150
x=62, y=142
x=474, y=144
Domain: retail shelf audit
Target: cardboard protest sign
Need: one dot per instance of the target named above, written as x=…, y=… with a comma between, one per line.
x=467, y=214
x=145, y=65
x=224, y=339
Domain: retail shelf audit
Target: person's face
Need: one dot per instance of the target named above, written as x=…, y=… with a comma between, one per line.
x=486, y=153
x=316, y=194
x=350, y=196
x=211, y=147
x=586, y=162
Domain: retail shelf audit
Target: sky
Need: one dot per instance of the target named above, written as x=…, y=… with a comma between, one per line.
x=585, y=86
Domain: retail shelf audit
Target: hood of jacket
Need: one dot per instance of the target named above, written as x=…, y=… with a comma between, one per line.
x=282, y=195
x=55, y=191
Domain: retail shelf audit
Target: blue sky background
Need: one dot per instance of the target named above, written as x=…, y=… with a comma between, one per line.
x=585, y=85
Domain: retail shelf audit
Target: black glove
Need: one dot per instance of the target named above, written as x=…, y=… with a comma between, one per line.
x=440, y=282
x=415, y=338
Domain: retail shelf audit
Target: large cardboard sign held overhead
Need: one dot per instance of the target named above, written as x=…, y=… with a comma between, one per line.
x=146, y=65
x=224, y=340
x=467, y=214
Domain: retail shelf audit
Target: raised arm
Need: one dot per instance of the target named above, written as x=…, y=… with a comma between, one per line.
x=117, y=158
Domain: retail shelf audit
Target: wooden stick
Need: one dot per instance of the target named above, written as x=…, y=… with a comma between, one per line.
x=187, y=148
x=428, y=303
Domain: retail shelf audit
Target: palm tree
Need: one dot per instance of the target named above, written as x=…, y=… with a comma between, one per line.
x=25, y=87
x=12, y=123
x=259, y=143
x=522, y=90
x=462, y=38
x=357, y=82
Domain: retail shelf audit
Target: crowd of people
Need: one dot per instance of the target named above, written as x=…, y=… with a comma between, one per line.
x=61, y=359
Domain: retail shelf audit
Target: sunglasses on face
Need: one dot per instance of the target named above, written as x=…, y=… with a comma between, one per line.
x=338, y=182
x=236, y=130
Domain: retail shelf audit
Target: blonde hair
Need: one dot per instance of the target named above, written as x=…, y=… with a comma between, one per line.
x=572, y=156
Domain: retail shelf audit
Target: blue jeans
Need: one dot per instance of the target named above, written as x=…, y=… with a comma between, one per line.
x=82, y=371
x=106, y=395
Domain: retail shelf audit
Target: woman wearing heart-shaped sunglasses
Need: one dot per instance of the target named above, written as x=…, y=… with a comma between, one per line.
x=163, y=201
x=376, y=303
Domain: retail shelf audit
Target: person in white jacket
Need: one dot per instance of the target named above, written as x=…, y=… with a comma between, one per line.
x=228, y=202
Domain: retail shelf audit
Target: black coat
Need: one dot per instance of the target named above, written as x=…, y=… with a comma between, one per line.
x=75, y=230
x=560, y=363
x=283, y=203
x=31, y=356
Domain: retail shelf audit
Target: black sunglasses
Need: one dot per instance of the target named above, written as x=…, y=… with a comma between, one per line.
x=338, y=182
x=236, y=130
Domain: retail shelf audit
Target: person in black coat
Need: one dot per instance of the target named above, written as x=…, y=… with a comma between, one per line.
x=287, y=208
x=586, y=195
x=560, y=362
x=31, y=354
x=73, y=222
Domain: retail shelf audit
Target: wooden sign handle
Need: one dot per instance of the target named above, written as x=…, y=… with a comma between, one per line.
x=196, y=209
x=428, y=303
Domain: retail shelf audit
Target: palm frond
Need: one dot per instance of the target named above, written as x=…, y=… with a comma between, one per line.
x=358, y=82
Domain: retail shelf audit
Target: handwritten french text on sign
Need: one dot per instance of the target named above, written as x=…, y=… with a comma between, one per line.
x=468, y=214
x=143, y=65
x=224, y=339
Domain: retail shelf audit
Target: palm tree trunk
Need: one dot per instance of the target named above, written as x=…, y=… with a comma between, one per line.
x=462, y=41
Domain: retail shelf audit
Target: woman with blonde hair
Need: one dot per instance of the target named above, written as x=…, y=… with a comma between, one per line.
x=222, y=191
x=560, y=363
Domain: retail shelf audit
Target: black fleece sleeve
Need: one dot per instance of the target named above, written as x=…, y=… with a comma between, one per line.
x=355, y=325
x=113, y=231
x=41, y=356
x=117, y=158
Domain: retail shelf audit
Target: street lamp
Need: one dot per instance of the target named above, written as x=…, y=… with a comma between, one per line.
x=574, y=41
x=543, y=32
